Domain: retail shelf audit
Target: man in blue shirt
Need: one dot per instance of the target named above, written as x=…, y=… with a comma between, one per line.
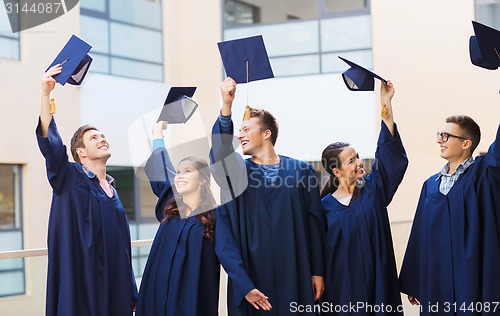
x=269, y=231
x=453, y=254
x=89, y=257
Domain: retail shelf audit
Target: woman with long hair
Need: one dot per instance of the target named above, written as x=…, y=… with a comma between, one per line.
x=181, y=276
x=360, y=269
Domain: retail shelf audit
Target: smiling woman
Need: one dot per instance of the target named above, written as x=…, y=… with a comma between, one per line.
x=355, y=207
x=181, y=276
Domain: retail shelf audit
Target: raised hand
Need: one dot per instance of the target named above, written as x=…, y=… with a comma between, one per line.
x=48, y=83
x=228, y=92
x=158, y=129
x=386, y=92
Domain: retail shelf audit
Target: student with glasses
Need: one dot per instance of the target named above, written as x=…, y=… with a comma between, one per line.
x=453, y=254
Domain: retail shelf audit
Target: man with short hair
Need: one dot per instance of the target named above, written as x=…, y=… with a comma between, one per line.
x=453, y=254
x=269, y=229
x=89, y=257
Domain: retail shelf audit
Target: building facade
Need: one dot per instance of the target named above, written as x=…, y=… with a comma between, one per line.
x=141, y=48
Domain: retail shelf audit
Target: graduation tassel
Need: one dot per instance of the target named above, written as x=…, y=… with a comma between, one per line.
x=52, y=106
x=385, y=112
x=246, y=116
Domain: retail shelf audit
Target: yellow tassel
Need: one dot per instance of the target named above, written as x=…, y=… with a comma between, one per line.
x=385, y=112
x=52, y=106
x=246, y=117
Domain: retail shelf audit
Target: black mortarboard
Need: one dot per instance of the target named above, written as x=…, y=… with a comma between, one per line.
x=178, y=106
x=484, y=48
x=75, y=61
x=358, y=78
x=236, y=53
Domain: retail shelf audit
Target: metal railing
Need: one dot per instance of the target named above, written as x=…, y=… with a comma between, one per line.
x=43, y=251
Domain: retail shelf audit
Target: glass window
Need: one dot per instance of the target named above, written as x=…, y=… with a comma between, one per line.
x=346, y=33
x=136, y=69
x=12, y=280
x=330, y=62
x=135, y=193
x=237, y=12
x=97, y=30
x=9, y=42
x=344, y=5
x=145, y=13
x=96, y=5
x=126, y=36
x=10, y=208
x=125, y=185
x=488, y=13
x=282, y=39
x=295, y=65
x=304, y=47
x=12, y=275
x=136, y=43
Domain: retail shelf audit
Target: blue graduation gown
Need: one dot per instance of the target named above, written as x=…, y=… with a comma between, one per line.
x=182, y=273
x=268, y=236
x=89, y=268
x=453, y=255
x=359, y=254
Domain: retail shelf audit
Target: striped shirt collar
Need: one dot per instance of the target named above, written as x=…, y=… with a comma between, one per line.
x=92, y=175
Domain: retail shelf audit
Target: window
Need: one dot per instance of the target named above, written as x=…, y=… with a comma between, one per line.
x=126, y=36
x=10, y=197
x=238, y=12
x=135, y=193
x=300, y=38
x=344, y=5
x=139, y=203
x=241, y=13
x=12, y=275
x=9, y=42
x=488, y=13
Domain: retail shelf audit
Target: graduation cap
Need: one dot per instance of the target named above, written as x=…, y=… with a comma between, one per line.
x=246, y=60
x=178, y=107
x=484, y=47
x=75, y=61
x=358, y=78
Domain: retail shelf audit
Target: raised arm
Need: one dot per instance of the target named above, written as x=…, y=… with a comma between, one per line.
x=228, y=91
x=48, y=84
x=391, y=161
x=493, y=159
x=159, y=168
x=49, y=140
x=227, y=166
x=386, y=93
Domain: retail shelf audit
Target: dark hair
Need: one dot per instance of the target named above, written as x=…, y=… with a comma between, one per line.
x=267, y=121
x=207, y=200
x=469, y=127
x=330, y=160
x=77, y=140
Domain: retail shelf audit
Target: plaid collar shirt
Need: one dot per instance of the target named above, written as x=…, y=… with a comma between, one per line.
x=92, y=175
x=448, y=180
